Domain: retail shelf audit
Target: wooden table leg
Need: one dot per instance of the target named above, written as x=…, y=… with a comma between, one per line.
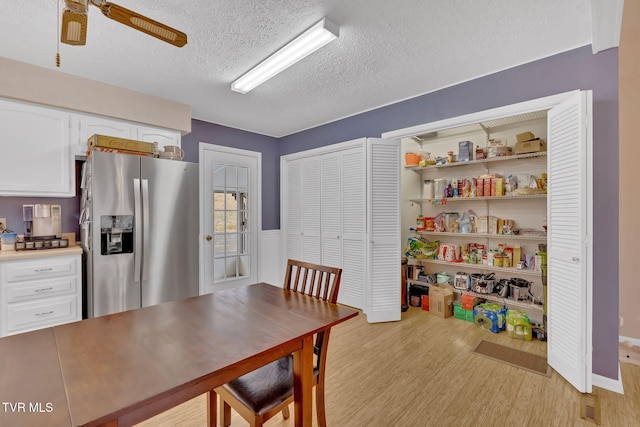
x=303, y=383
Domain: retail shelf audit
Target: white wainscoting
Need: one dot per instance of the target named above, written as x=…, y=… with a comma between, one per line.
x=269, y=268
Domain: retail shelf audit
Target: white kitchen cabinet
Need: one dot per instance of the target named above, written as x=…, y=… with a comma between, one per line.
x=162, y=136
x=343, y=201
x=85, y=126
x=36, y=157
x=39, y=292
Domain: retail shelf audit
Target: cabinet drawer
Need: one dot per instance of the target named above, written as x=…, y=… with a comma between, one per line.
x=24, y=291
x=43, y=268
x=24, y=317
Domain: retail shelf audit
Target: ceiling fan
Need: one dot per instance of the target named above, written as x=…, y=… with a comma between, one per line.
x=74, y=22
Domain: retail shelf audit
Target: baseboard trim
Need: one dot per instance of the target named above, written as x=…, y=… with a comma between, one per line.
x=609, y=383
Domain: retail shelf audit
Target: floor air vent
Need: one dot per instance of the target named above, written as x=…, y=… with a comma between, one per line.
x=590, y=408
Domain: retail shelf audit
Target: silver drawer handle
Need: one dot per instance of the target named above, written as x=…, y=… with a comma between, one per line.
x=46, y=313
x=42, y=270
x=43, y=289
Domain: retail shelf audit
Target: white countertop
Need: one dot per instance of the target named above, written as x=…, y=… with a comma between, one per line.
x=40, y=253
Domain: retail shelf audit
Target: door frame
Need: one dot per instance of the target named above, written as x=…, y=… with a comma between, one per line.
x=257, y=228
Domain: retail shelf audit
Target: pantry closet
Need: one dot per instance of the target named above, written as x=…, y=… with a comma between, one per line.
x=568, y=216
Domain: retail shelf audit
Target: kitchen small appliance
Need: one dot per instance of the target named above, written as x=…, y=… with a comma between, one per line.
x=42, y=221
x=520, y=289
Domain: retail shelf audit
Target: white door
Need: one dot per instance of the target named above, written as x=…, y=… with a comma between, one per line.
x=331, y=210
x=230, y=217
x=302, y=214
x=383, y=171
x=353, y=289
x=569, y=220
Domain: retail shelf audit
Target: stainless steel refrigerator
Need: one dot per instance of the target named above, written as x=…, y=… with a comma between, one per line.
x=139, y=225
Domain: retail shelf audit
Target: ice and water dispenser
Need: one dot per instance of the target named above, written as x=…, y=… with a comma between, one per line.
x=116, y=234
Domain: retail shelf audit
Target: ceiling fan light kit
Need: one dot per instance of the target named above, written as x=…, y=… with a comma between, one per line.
x=306, y=43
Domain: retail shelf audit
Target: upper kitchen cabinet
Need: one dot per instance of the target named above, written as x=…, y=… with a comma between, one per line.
x=84, y=126
x=36, y=156
x=162, y=136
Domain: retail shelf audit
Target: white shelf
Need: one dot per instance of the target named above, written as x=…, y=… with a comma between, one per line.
x=490, y=297
x=481, y=161
x=541, y=237
x=445, y=200
x=485, y=267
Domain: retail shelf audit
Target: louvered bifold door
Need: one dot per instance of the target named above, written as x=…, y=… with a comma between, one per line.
x=569, y=219
x=383, y=204
x=354, y=221
x=331, y=209
x=310, y=174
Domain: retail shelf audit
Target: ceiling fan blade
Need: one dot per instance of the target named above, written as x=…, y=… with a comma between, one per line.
x=144, y=24
x=74, y=27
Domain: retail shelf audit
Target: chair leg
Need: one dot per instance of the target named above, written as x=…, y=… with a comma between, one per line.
x=285, y=412
x=225, y=413
x=211, y=409
x=320, y=412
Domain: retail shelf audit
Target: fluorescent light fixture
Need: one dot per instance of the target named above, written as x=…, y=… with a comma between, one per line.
x=306, y=43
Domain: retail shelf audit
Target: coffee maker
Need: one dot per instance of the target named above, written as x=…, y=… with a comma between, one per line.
x=42, y=221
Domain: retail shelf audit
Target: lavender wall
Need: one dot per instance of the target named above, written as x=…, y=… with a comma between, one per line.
x=11, y=208
x=268, y=146
x=577, y=69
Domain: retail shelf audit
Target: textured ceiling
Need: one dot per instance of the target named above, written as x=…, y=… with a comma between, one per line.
x=387, y=51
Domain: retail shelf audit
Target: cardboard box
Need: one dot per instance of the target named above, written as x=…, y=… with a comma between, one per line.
x=119, y=144
x=441, y=300
x=532, y=146
x=524, y=136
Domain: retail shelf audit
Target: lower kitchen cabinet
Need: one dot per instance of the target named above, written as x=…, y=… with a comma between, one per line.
x=39, y=292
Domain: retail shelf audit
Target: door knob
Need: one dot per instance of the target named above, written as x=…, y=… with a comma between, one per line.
x=208, y=237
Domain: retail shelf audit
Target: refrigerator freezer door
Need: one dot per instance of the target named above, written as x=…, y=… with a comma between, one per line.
x=111, y=287
x=171, y=243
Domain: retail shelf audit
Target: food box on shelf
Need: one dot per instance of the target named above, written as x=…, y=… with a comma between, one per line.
x=532, y=146
x=465, y=151
x=524, y=136
x=441, y=300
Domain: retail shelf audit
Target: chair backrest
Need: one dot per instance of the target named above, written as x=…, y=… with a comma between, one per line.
x=314, y=280
x=321, y=282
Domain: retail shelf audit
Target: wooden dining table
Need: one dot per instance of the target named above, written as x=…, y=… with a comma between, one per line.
x=120, y=369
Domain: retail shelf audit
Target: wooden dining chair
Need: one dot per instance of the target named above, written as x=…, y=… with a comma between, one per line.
x=261, y=394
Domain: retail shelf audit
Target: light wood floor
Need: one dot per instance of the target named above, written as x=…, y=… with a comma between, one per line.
x=421, y=372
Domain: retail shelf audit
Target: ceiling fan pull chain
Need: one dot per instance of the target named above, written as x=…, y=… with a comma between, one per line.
x=58, y=38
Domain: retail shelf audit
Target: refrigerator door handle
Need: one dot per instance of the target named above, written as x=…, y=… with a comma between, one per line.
x=145, y=227
x=137, y=255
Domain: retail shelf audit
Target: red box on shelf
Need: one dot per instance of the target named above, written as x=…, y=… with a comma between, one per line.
x=425, y=302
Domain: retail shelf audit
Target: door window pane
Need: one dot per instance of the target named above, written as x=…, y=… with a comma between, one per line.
x=230, y=222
